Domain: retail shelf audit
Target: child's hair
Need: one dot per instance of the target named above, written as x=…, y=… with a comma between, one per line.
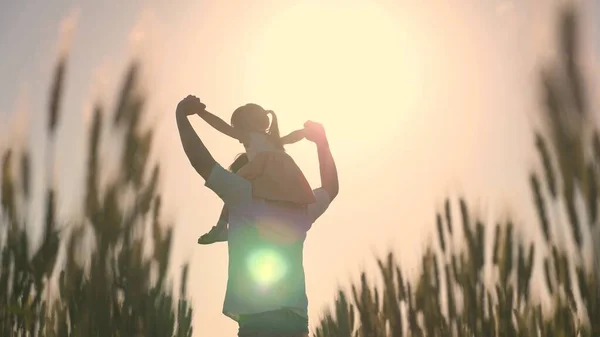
x=239, y=162
x=252, y=117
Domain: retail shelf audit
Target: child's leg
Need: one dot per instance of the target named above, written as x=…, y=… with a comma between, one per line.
x=219, y=232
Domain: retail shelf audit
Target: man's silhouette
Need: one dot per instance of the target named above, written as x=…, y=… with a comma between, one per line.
x=266, y=291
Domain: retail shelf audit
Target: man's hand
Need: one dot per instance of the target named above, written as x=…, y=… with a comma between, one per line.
x=190, y=105
x=315, y=132
x=198, y=155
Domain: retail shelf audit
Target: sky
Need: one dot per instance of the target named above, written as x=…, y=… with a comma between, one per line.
x=420, y=100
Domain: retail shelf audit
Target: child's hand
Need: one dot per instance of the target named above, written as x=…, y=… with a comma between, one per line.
x=315, y=132
x=201, y=109
x=190, y=105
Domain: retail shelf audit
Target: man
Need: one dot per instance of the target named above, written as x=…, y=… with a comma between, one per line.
x=266, y=291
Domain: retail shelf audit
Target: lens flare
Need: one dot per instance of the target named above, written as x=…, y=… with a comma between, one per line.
x=266, y=267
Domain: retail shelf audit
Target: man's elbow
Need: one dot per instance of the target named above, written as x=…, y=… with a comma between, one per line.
x=333, y=190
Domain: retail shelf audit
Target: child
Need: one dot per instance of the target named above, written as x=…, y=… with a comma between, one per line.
x=273, y=173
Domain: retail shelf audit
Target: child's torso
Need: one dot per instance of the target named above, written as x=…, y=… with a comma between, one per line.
x=259, y=142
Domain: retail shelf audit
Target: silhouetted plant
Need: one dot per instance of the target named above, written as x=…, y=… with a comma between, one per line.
x=451, y=297
x=115, y=285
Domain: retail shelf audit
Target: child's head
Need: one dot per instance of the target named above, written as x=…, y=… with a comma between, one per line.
x=250, y=117
x=253, y=118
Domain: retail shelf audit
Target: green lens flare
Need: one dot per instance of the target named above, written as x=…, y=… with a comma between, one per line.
x=266, y=267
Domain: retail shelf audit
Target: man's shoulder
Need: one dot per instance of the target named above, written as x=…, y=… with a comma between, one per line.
x=230, y=187
x=322, y=196
x=321, y=204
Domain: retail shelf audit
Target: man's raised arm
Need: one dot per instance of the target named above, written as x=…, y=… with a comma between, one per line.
x=329, y=176
x=197, y=153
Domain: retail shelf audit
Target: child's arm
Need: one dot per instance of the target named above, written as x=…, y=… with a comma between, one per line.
x=293, y=137
x=221, y=126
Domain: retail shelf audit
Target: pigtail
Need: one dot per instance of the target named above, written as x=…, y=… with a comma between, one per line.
x=273, y=131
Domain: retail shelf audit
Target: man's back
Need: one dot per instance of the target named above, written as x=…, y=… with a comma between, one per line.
x=235, y=192
x=265, y=243
x=266, y=260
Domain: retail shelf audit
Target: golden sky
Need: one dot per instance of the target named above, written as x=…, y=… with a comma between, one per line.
x=420, y=101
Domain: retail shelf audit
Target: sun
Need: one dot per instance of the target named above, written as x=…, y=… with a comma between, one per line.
x=346, y=64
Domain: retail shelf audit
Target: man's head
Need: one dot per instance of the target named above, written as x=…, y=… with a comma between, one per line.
x=239, y=162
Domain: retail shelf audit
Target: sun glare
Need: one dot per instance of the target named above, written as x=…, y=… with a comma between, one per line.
x=266, y=267
x=350, y=65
